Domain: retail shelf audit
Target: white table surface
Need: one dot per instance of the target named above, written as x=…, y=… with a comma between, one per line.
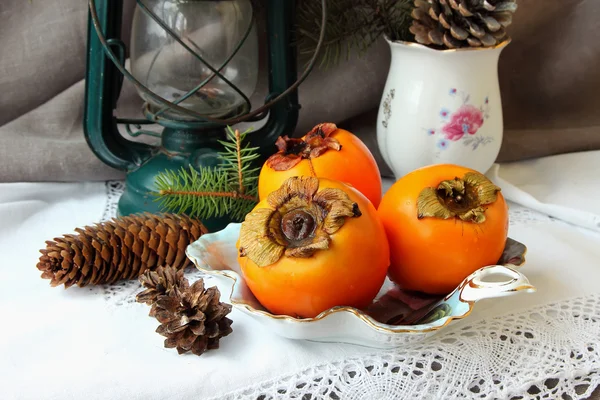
x=97, y=343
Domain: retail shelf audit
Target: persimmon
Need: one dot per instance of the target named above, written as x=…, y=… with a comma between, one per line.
x=311, y=245
x=443, y=222
x=327, y=152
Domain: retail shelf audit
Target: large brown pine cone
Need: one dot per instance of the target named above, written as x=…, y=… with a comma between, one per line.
x=119, y=249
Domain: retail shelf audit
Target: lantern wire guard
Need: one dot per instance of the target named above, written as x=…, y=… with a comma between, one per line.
x=192, y=140
x=154, y=117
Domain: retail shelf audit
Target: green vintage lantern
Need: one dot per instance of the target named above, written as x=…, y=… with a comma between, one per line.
x=195, y=64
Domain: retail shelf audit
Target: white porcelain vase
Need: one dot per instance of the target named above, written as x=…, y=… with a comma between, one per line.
x=440, y=106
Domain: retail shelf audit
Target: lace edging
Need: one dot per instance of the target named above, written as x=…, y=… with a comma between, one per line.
x=114, y=190
x=549, y=352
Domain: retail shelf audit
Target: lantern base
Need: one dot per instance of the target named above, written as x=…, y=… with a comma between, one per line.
x=180, y=148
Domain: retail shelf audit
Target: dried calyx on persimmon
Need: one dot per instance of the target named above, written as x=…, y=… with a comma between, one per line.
x=312, y=244
x=464, y=198
x=325, y=152
x=299, y=222
x=443, y=223
x=312, y=145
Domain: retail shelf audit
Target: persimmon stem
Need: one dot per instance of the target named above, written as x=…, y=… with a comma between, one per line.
x=234, y=195
x=298, y=225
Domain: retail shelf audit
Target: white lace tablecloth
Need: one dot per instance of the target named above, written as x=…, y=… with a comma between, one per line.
x=97, y=343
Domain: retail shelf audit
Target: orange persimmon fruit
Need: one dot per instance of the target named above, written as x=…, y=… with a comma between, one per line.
x=311, y=245
x=327, y=152
x=443, y=222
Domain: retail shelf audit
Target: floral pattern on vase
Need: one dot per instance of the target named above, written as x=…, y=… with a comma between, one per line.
x=462, y=124
x=466, y=120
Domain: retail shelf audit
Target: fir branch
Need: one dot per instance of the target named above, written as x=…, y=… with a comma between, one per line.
x=235, y=195
x=351, y=25
x=230, y=189
x=238, y=142
x=238, y=163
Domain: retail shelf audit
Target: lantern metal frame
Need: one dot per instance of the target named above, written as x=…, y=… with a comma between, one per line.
x=186, y=142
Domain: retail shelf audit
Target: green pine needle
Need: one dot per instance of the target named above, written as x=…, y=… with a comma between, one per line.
x=231, y=189
x=351, y=25
x=241, y=172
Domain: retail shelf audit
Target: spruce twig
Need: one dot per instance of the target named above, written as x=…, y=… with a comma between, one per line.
x=231, y=189
x=207, y=194
x=238, y=143
x=237, y=161
x=351, y=25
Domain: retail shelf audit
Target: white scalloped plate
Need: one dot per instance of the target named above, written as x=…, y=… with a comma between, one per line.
x=395, y=317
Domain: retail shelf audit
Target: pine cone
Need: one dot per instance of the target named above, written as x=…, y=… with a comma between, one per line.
x=192, y=319
x=119, y=249
x=461, y=23
x=163, y=281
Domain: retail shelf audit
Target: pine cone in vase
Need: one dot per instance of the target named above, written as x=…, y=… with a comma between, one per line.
x=461, y=23
x=192, y=318
x=119, y=249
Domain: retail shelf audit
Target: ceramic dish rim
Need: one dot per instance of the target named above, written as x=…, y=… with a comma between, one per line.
x=380, y=326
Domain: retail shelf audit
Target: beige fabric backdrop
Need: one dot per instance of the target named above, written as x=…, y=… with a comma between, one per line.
x=549, y=80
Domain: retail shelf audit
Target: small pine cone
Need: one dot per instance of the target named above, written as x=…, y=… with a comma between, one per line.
x=162, y=281
x=119, y=249
x=193, y=320
x=461, y=23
